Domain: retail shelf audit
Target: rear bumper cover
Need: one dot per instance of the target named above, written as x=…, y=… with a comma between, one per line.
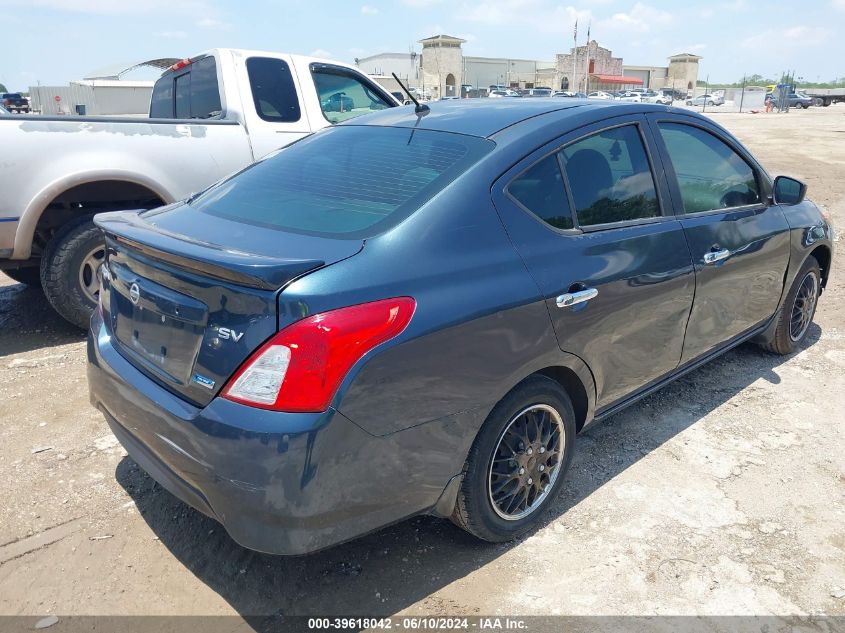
x=279, y=483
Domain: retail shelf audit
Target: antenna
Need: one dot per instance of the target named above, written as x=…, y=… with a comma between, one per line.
x=420, y=109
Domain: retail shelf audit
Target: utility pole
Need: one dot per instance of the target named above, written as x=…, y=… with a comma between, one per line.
x=574, y=82
x=706, y=91
x=742, y=94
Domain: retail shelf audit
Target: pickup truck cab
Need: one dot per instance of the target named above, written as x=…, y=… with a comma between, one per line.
x=210, y=115
x=14, y=102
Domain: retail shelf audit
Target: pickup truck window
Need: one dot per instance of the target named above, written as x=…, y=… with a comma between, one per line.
x=193, y=94
x=348, y=181
x=273, y=90
x=345, y=95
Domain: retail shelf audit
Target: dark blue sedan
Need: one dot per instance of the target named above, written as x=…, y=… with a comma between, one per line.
x=417, y=313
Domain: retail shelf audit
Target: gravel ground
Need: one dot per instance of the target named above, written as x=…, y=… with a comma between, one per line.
x=724, y=493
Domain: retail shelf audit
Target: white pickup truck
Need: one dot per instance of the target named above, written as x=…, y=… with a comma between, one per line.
x=210, y=115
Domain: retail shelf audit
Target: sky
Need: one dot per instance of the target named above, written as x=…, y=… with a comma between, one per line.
x=56, y=41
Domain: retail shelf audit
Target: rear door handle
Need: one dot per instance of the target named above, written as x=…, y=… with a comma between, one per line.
x=574, y=298
x=716, y=256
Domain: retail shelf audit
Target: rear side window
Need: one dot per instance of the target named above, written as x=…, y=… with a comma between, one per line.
x=344, y=94
x=539, y=189
x=161, y=104
x=193, y=94
x=273, y=90
x=710, y=174
x=348, y=181
x=610, y=177
x=205, y=93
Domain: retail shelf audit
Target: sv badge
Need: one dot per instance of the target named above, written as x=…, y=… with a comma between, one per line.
x=227, y=334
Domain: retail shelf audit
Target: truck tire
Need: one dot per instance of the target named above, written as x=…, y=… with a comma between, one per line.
x=31, y=275
x=69, y=270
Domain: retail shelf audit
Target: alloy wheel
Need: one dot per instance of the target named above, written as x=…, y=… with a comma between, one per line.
x=526, y=462
x=803, y=306
x=89, y=282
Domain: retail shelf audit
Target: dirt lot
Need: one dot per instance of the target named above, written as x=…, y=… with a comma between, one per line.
x=722, y=494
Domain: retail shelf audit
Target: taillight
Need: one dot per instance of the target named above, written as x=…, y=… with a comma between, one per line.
x=300, y=368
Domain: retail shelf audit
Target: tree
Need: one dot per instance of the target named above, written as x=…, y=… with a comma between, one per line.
x=3, y=88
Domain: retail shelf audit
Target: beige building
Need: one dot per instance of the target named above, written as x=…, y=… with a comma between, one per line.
x=441, y=70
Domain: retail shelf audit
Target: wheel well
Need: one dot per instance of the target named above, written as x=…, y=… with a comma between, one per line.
x=569, y=380
x=822, y=255
x=87, y=199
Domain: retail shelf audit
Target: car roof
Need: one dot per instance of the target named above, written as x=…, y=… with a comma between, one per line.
x=479, y=117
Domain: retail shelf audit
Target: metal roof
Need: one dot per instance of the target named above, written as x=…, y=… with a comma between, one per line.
x=115, y=71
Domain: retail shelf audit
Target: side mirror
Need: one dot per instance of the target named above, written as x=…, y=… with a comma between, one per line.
x=789, y=190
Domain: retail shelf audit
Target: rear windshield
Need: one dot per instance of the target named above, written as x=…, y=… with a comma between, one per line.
x=348, y=181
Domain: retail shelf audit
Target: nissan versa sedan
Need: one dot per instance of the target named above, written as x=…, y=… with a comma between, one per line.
x=417, y=312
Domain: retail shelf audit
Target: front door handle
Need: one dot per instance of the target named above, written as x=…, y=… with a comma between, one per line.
x=716, y=256
x=574, y=298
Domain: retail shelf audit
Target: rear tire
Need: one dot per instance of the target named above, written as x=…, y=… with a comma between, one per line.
x=69, y=270
x=796, y=313
x=31, y=275
x=509, y=482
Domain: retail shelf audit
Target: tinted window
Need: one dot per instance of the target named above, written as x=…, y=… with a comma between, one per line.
x=205, y=95
x=610, y=177
x=344, y=95
x=710, y=174
x=161, y=104
x=183, y=96
x=540, y=190
x=349, y=181
x=273, y=89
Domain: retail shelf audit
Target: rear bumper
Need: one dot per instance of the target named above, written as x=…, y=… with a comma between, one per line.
x=278, y=482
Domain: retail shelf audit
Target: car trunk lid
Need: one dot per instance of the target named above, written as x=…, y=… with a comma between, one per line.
x=187, y=298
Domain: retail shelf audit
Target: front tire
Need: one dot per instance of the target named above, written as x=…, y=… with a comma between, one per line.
x=797, y=311
x=518, y=461
x=69, y=270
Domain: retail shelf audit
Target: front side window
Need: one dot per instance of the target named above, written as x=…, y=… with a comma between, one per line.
x=610, y=177
x=710, y=174
x=540, y=190
x=344, y=95
x=347, y=181
x=273, y=90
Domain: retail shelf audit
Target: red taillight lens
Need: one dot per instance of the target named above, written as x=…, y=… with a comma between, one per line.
x=181, y=64
x=300, y=368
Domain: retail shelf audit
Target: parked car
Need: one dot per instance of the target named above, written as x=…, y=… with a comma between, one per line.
x=631, y=97
x=209, y=116
x=537, y=92
x=573, y=95
x=706, y=99
x=14, y=102
x=600, y=94
x=338, y=102
x=404, y=315
x=504, y=93
x=794, y=100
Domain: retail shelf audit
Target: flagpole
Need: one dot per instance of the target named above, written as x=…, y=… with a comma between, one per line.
x=587, y=59
x=574, y=82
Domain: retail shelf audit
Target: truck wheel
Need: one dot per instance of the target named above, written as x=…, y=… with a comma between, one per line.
x=31, y=276
x=797, y=311
x=69, y=270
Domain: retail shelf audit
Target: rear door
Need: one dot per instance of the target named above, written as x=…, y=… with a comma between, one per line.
x=590, y=216
x=739, y=240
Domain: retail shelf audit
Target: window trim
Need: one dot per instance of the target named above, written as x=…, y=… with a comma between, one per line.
x=348, y=72
x=593, y=129
x=672, y=177
x=258, y=112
